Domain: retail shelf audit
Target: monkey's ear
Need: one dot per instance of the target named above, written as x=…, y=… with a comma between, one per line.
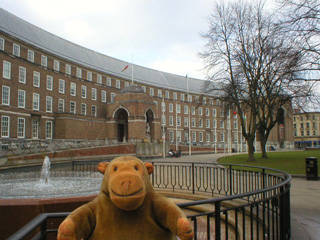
x=149, y=167
x=102, y=166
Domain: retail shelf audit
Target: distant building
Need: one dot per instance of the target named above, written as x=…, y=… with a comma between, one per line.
x=54, y=89
x=306, y=126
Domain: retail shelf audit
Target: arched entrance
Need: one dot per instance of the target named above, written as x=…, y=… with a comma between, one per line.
x=121, y=117
x=149, y=124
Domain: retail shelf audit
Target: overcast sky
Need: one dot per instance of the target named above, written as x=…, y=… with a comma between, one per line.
x=159, y=34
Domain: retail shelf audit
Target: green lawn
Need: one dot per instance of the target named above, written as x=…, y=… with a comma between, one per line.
x=290, y=162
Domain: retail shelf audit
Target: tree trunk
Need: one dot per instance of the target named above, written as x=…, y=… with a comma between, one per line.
x=263, y=143
x=251, y=151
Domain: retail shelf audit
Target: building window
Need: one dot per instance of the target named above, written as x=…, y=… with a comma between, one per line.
x=16, y=50
x=235, y=137
x=103, y=96
x=99, y=79
x=94, y=94
x=73, y=89
x=200, y=123
x=207, y=123
x=118, y=84
x=22, y=74
x=93, y=110
x=186, y=109
x=189, y=98
x=235, y=125
x=5, y=95
x=179, y=136
x=221, y=124
x=214, y=113
x=144, y=88
x=112, y=97
x=175, y=96
x=61, y=86
x=179, y=121
x=2, y=44
x=178, y=108
x=194, y=136
x=170, y=107
x=151, y=92
x=171, y=136
x=79, y=73
x=44, y=61
x=186, y=121
x=182, y=96
x=61, y=105
x=49, y=130
x=21, y=127
x=6, y=70
x=83, y=109
x=68, y=69
x=35, y=129
x=159, y=93
x=49, y=83
x=221, y=113
x=193, y=110
x=167, y=94
x=73, y=107
x=163, y=106
x=207, y=112
x=193, y=122
x=49, y=104
x=170, y=120
x=83, y=91
x=200, y=136
x=221, y=137
x=163, y=119
x=5, y=126
x=214, y=123
x=200, y=111
x=109, y=81
x=89, y=76
x=36, y=79
x=21, y=98
x=56, y=65
x=36, y=102
x=30, y=56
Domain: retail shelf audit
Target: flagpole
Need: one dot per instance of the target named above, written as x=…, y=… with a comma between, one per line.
x=163, y=132
x=176, y=128
x=132, y=70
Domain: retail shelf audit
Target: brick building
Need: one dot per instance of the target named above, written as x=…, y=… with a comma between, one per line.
x=54, y=89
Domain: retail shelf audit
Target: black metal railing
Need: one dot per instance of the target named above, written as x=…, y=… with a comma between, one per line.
x=240, y=202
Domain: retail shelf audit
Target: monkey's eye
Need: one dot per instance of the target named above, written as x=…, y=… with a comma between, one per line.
x=136, y=168
x=115, y=169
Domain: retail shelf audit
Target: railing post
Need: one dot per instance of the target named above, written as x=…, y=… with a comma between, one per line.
x=230, y=178
x=217, y=220
x=285, y=224
x=193, y=173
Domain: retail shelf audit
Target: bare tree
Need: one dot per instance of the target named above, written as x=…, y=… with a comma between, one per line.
x=252, y=67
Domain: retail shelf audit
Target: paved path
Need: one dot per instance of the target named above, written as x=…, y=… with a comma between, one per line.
x=305, y=200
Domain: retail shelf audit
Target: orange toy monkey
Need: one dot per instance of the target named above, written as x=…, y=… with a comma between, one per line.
x=127, y=208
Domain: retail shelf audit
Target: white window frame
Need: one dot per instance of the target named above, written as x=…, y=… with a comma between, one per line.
x=193, y=110
x=6, y=72
x=207, y=123
x=93, y=110
x=79, y=73
x=16, y=50
x=73, y=89
x=171, y=136
x=94, y=94
x=30, y=56
x=35, y=129
x=186, y=109
x=44, y=61
x=56, y=65
x=159, y=93
x=49, y=83
x=62, y=86
x=5, y=95
x=194, y=136
x=200, y=123
x=83, y=109
x=182, y=97
x=73, y=107
x=170, y=107
x=36, y=79
x=103, y=96
x=99, y=79
x=207, y=112
x=5, y=126
x=178, y=121
x=200, y=111
x=200, y=136
x=36, y=101
x=221, y=124
x=118, y=84
x=186, y=121
x=207, y=137
x=170, y=120
x=112, y=96
x=83, y=91
x=193, y=122
x=167, y=94
x=61, y=105
x=22, y=74
x=151, y=91
x=49, y=129
x=2, y=44
x=178, y=108
x=49, y=104
x=89, y=76
x=68, y=69
x=175, y=96
x=109, y=82
x=222, y=137
x=21, y=98
x=214, y=112
x=21, y=127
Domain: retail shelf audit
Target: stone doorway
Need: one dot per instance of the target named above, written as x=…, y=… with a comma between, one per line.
x=121, y=117
x=149, y=124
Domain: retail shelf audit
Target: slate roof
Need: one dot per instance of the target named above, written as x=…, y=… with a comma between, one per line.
x=20, y=29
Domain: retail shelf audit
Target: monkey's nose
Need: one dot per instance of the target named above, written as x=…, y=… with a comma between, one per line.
x=126, y=184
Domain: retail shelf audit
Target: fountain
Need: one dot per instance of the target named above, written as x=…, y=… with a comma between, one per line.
x=24, y=195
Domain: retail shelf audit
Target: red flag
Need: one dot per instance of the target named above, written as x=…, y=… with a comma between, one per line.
x=125, y=68
x=235, y=112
